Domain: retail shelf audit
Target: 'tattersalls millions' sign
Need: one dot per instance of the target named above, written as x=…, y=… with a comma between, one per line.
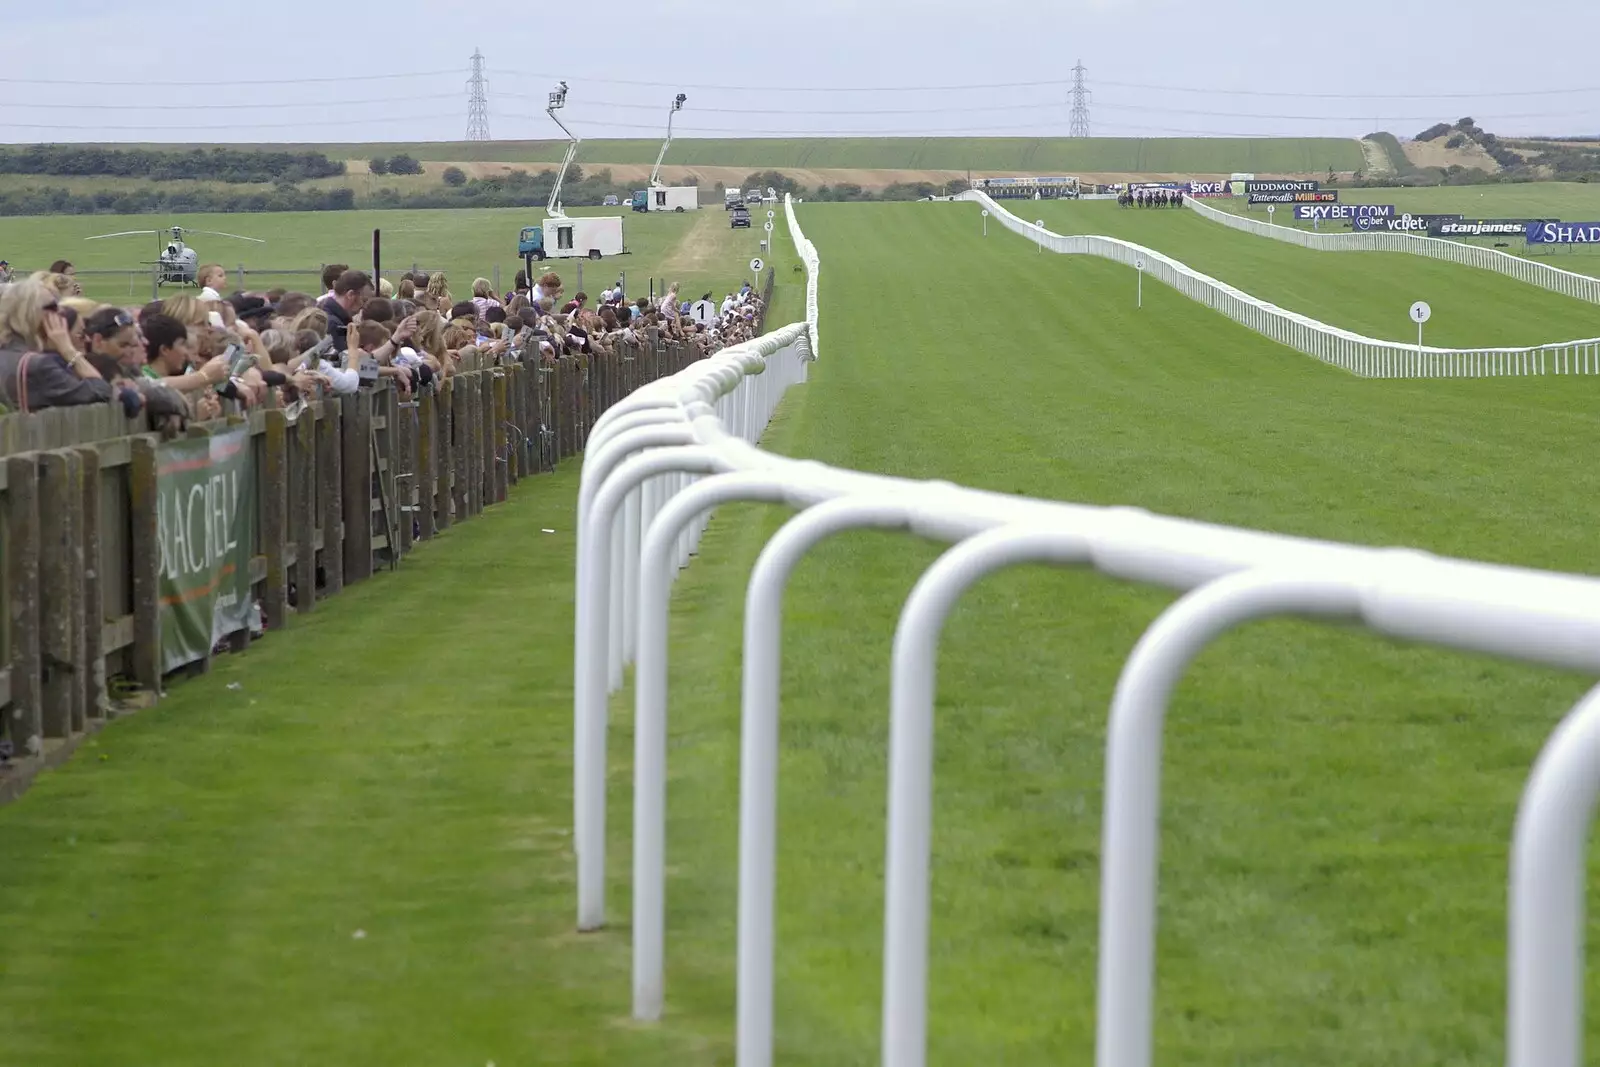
x=1325, y=196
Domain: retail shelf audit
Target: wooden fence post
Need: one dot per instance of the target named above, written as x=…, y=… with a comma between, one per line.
x=59, y=497
x=145, y=562
x=489, y=433
x=331, y=491
x=404, y=435
x=444, y=461
x=26, y=727
x=303, y=511
x=461, y=427
x=273, y=490
x=97, y=702
x=427, y=433
x=356, y=450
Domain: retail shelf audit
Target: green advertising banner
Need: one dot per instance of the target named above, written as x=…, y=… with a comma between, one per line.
x=207, y=523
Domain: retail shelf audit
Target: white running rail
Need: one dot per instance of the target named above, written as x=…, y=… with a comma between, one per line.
x=641, y=512
x=1366, y=357
x=1565, y=282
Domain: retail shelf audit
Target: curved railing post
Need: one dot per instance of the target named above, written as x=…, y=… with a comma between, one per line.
x=1126, y=981
x=657, y=568
x=1549, y=852
x=912, y=686
x=758, y=748
x=589, y=676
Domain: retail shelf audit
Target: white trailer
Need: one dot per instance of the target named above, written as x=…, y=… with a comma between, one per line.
x=582, y=236
x=674, y=198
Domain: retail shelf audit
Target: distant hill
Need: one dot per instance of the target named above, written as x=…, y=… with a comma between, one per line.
x=1094, y=155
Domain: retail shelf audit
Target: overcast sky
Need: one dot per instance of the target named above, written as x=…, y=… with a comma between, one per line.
x=296, y=70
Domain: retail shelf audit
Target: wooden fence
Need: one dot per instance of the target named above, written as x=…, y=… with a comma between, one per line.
x=344, y=489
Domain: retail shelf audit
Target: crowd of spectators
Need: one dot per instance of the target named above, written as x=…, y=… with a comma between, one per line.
x=187, y=356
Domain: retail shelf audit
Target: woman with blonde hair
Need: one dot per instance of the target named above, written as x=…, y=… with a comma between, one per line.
x=60, y=284
x=187, y=310
x=439, y=292
x=39, y=365
x=428, y=342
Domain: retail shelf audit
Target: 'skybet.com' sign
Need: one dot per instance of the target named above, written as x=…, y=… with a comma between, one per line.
x=1306, y=212
x=1407, y=223
x=1563, y=233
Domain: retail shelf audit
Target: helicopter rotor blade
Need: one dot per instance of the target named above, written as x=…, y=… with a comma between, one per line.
x=125, y=233
x=235, y=236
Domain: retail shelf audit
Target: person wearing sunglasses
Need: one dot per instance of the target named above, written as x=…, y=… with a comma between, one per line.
x=39, y=365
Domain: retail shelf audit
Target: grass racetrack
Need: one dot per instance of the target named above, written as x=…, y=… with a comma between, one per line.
x=1338, y=809
x=1204, y=155
x=1368, y=292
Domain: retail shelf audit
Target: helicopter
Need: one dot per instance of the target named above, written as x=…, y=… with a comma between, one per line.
x=176, y=262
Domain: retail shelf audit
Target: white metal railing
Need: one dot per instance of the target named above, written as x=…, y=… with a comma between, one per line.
x=1565, y=282
x=1366, y=357
x=659, y=461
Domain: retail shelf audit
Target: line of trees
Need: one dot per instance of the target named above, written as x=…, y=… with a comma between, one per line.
x=283, y=197
x=230, y=165
x=516, y=188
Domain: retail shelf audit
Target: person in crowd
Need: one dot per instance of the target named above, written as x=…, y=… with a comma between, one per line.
x=5, y=272
x=170, y=355
x=519, y=287
x=408, y=289
x=438, y=292
x=483, y=296
x=576, y=304
x=212, y=279
x=39, y=365
x=548, y=288
x=331, y=274
x=351, y=291
x=118, y=354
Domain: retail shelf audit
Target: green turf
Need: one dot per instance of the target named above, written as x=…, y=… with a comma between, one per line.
x=1368, y=292
x=1337, y=808
x=1204, y=155
x=700, y=249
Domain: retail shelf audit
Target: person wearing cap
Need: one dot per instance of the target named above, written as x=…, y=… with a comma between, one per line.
x=5, y=272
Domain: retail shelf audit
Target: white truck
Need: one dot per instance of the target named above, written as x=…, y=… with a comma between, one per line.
x=667, y=198
x=731, y=198
x=573, y=237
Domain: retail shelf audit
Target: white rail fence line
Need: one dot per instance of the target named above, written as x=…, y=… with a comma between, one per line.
x=1565, y=282
x=1366, y=357
x=643, y=458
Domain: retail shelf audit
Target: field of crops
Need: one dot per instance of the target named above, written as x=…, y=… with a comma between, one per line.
x=1200, y=155
x=699, y=250
x=1337, y=809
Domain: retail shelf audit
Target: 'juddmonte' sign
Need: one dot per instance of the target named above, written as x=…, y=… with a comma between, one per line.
x=206, y=524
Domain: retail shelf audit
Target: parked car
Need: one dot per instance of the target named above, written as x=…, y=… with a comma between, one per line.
x=612, y=201
x=741, y=218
